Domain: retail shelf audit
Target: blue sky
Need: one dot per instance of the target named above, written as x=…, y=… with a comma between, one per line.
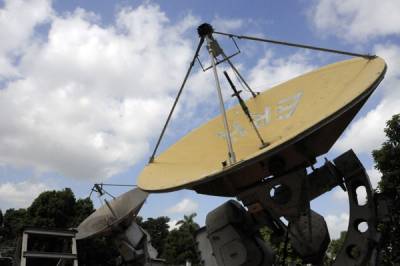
x=85, y=86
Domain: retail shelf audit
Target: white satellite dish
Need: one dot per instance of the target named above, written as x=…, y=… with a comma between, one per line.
x=104, y=220
x=116, y=220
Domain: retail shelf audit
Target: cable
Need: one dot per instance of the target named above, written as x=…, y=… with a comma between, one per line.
x=241, y=84
x=296, y=45
x=118, y=185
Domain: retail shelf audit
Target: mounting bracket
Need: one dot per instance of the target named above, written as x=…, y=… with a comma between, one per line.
x=288, y=196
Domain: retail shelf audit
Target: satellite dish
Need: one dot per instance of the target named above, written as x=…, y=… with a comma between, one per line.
x=278, y=133
x=299, y=119
x=116, y=220
x=104, y=220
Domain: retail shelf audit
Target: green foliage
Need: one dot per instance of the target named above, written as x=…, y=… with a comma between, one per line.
x=279, y=249
x=188, y=224
x=57, y=209
x=83, y=208
x=158, y=230
x=14, y=221
x=180, y=244
x=97, y=251
x=53, y=209
x=387, y=161
x=334, y=248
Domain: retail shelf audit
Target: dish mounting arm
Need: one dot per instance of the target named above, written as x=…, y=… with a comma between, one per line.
x=177, y=98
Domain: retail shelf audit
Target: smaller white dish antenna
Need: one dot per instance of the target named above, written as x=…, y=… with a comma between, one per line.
x=113, y=215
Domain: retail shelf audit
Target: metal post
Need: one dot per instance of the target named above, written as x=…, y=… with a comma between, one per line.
x=110, y=208
x=24, y=248
x=231, y=154
x=74, y=250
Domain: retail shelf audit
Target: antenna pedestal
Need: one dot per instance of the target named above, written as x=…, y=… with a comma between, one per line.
x=134, y=246
x=288, y=196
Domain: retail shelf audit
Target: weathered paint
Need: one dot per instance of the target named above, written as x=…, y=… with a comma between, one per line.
x=281, y=113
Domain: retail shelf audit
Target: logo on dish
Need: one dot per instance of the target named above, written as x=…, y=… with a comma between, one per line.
x=284, y=110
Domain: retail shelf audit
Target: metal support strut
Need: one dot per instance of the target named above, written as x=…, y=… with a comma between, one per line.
x=214, y=50
x=368, y=56
x=239, y=75
x=245, y=110
x=177, y=98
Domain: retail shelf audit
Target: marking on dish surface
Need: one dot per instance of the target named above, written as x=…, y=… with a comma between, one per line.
x=287, y=106
x=285, y=109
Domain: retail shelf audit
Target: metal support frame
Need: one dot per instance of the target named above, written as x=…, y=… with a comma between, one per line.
x=360, y=241
x=291, y=201
x=69, y=234
x=205, y=31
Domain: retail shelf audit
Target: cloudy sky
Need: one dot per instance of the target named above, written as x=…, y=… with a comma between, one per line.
x=85, y=86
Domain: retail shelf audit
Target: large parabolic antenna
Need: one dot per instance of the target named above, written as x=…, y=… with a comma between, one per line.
x=299, y=119
x=259, y=151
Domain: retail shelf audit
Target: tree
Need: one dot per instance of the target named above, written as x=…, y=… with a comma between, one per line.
x=14, y=221
x=180, y=245
x=54, y=209
x=387, y=161
x=158, y=230
x=279, y=248
x=57, y=209
x=97, y=251
x=83, y=208
x=188, y=223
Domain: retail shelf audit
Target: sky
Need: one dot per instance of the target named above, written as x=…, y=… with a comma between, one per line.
x=85, y=86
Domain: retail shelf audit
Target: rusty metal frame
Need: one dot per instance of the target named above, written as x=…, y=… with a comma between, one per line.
x=360, y=246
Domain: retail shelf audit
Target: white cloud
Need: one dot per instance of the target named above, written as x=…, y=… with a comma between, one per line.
x=185, y=206
x=337, y=224
x=90, y=97
x=356, y=20
x=339, y=194
x=173, y=225
x=270, y=71
x=18, y=19
x=366, y=133
x=20, y=194
x=227, y=24
x=374, y=176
